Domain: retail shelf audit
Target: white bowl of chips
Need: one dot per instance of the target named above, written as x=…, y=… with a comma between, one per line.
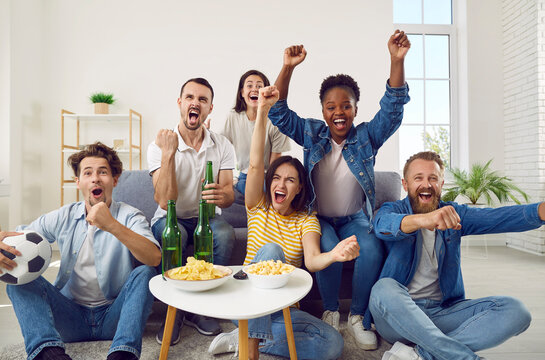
x=269, y=274
x=198, y=275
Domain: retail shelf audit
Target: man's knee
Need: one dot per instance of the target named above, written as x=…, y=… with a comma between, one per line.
x=518, y=314
x=384, y=291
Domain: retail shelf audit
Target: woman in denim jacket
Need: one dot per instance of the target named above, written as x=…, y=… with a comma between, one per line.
x=339, y=158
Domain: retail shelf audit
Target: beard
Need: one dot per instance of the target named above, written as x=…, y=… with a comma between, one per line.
x=420, y=208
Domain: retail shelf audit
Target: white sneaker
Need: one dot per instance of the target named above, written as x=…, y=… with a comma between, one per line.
x=365, y=339
x=224, y=343
x=400, y=351
x=331, y=318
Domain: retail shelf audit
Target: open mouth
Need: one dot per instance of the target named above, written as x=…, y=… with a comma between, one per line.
x=193, y=115
x=97, y=192
x=279, y=196
x=425, y=196
x=339, y=123
x=253, y=97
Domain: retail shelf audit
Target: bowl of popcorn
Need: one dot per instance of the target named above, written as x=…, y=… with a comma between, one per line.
x=269, y=274
x=198, y=275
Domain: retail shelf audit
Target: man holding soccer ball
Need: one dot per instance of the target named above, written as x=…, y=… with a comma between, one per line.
x=100, y=293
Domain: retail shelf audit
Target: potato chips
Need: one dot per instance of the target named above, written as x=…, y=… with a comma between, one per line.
x=269, y=267
x=195, y=270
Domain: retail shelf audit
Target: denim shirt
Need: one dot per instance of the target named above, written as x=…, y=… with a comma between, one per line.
x=362, y=142
x=403, y=250
x=113, y=260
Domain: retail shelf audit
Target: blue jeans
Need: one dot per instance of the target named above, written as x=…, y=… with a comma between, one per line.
x=241, y=183
x=224, y=236
x=367, y=266
x=453, y=332
x=48, y=318
x=314, y=339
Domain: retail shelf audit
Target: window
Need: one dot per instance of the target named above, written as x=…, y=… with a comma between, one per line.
x=429, y=69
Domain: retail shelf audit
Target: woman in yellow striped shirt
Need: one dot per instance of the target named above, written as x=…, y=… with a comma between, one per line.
x=280, y=227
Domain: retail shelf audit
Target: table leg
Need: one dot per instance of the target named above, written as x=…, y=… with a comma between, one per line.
x=289, y=333
x=243, y=339
x=167, y=334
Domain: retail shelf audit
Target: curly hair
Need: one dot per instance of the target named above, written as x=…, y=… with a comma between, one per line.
x=424, y=155
x=99, y=150
x=240, y=104
x=342, y=81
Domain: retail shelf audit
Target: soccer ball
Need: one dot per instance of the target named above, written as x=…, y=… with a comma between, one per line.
x=36, y=255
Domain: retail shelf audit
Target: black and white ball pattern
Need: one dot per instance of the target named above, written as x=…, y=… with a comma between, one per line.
x=36, y=255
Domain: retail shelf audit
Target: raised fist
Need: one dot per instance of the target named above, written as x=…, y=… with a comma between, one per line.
x=294, y=55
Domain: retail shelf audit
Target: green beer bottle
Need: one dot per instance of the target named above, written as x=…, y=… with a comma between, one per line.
x=172, y=240
x=202, y=237
x=209, y=179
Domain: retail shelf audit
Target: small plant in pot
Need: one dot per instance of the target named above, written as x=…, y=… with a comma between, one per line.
x=482, y=182
x=101, y=101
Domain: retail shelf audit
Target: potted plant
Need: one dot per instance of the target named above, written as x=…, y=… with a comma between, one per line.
x=481, y=182
x=101, y=101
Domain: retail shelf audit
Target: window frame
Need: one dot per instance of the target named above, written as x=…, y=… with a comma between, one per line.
x=450, y=31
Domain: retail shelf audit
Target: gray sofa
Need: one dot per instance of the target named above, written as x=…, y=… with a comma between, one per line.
x=135, y=188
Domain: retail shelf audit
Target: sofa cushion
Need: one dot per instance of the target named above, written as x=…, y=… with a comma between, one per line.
x=135, y=188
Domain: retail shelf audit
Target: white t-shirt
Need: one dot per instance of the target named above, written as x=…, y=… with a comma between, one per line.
x=239, y=129
x=338, y=193
x=425, y=283
x=190, y=169
x=83, y=283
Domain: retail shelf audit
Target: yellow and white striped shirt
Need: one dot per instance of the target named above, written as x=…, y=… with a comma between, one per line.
x=268, y=226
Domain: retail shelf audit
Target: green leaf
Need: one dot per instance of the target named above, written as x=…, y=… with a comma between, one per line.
x=483, y=183
x=100, y=97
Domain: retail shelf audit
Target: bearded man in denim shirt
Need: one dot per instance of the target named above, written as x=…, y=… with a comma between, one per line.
x=99, y=294
x=420, y=296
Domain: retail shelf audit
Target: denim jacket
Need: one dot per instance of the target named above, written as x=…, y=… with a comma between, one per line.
x=113, y=260
x=362, y=142
x=404, y=250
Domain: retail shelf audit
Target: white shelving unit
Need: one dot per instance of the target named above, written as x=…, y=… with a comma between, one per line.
x=134, y=150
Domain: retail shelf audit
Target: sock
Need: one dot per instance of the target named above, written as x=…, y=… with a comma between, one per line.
x=53, y=353
x=121, y=355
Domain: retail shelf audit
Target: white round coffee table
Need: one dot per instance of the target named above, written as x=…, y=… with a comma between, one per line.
x=234, y=300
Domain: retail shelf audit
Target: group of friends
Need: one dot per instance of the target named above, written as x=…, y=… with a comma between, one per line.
x=407, y=279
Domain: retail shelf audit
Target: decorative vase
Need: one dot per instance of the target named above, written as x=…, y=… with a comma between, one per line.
x=101, y=108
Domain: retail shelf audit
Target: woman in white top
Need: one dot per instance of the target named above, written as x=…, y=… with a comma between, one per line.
x=240, y=123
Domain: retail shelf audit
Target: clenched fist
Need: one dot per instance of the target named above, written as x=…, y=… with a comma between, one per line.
x=294, y=55
x=167, y=140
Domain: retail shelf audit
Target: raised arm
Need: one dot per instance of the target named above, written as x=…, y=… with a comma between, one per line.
x=441, y=219
x=142, y=248
x=293, y=56
x=398, y=45
x=164, y=178
x=256, y=169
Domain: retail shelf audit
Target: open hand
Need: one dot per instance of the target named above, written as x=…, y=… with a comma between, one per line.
x=399, y=45
x=346, y=250
x=6, y=262
x=294, y=55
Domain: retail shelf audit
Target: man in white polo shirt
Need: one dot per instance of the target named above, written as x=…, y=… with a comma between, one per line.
x=177, y=161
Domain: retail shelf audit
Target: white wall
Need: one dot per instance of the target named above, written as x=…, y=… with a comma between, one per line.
x=62, y=50
x=4, y=108
x=485, y=82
